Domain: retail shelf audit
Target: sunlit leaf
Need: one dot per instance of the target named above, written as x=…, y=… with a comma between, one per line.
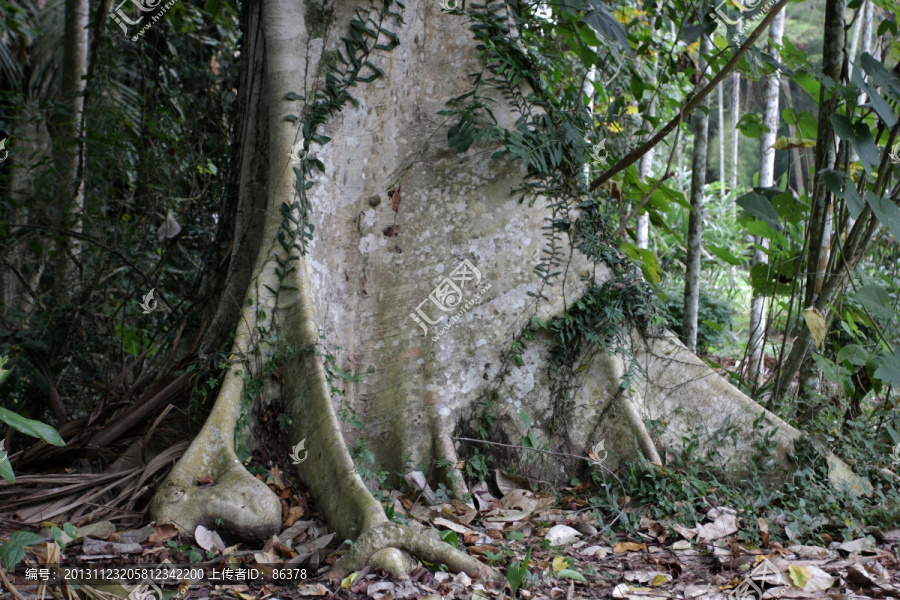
x=816, y=323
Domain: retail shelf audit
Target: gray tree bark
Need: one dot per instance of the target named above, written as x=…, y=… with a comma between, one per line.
x=695, y=221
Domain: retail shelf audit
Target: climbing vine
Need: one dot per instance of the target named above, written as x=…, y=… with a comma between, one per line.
x=551, y=140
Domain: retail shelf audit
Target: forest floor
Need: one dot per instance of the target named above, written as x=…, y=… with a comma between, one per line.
x=569, y=557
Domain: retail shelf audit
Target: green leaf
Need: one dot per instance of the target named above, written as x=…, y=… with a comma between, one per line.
x=790, y=209
x=840, y=184
x=570, y=574
x=4, y=373
x=525, y=418
x=875, y=300
x=31, y=427
x=834, y=373
x=293, y=96
x=751, y=125
x=725, y=255
x=11, y=554
x=649, y=265
x=804, y=121
x=6, y=471
x=854, y=353
x=887, y=212
x=70, y=530
x=450, y=537
x=880, y=76
x=759, y=207
x=889, y=371
x=26, y=538
x=859, y=136
x=599, y=19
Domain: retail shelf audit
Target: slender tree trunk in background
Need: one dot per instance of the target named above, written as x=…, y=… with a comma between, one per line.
x=722, y=142
x=588, y=91
x=695, y=221
x=819, y=221
x=757, y=345
x=642, y=227
x=864, y=25
x=71, y=146
x=867, y=14
x=735, y=117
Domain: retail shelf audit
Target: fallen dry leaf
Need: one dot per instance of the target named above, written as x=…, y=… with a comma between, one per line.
x=725, y=525
x=316, y=589
x=208, y=540
x=622, y=547
x=763, y=531
x=294, y=514
x=162, y=533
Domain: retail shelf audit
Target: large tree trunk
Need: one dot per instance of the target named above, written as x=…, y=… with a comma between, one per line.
x=695, y=221
x=757, y=345
x=368, y=299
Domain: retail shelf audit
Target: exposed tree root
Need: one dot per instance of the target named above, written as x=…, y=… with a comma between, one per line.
x=248, y=508
x=378, y=546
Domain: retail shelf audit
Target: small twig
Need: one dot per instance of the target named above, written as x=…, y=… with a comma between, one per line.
x=12, y=589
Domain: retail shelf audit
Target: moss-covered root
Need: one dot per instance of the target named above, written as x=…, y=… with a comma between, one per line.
x=379, y=547
x=247, y=507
